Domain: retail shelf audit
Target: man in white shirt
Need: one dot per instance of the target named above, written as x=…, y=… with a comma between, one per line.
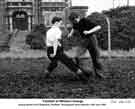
x=55, y=50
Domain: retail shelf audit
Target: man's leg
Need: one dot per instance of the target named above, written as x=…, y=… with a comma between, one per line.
x=52, y=65
x=77, y=60
x=80, y=50
x=54, y=61
x=72, y=66
x=94, y=52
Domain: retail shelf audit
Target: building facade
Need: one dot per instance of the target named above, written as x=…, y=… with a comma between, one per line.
x=2, y=14
x=19, y=14
x=51, y=8
x=23, y=14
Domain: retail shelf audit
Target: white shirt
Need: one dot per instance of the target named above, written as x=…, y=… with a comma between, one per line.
x=53, y=34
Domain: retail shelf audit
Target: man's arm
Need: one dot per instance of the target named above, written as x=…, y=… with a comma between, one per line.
x=71, y=33
x=96, y=28
x=55, y=46
x=56, y=42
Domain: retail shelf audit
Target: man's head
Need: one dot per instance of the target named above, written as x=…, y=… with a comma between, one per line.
x=57, y=21
x=74, y=17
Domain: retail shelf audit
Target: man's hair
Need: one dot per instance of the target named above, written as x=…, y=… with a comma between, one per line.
x=73, y=16
x=56, y=19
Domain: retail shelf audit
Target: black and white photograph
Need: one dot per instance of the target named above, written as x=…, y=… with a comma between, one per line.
x=67, y=49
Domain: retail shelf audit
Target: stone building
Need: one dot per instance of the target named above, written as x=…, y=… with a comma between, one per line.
x=23, y=14
x=19, y=14
x=2, y=14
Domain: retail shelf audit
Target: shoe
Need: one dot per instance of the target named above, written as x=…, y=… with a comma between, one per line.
x=83, y=77
x=87, y=73
x=76, y=78
x=99, y=74
x=47, y=75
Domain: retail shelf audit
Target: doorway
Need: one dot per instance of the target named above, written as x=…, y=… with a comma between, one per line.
x=20, y=20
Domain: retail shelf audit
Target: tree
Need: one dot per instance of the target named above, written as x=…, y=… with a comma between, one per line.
x=122, y=21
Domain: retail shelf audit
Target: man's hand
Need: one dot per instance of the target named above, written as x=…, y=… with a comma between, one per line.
x=86, y=32
x=69, y=35
x=52, y=55
x=96, y=28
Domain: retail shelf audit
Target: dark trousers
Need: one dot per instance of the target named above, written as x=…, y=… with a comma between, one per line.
x=91, y=44
x=60, y=56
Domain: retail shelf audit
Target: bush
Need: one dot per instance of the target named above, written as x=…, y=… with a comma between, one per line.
x=122, y=21
x=36, y=38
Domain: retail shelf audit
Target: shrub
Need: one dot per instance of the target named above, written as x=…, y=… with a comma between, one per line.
x=122, y=21
x=36, y=38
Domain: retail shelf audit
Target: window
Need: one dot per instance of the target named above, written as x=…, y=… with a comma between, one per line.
x=53, y=0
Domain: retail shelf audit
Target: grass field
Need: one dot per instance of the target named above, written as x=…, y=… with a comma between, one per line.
x=24, y=78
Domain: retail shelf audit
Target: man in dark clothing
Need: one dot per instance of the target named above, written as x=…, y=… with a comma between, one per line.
x=86, y=30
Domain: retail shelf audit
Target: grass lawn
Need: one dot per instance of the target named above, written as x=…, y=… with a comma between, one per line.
x=24, y=78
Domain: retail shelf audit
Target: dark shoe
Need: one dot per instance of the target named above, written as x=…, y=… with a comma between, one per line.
x=99, y=66
x=47, y=75
x=80, y=75
x=76, y=78
x=87, y=73
x=99, y=74
x=83, y=77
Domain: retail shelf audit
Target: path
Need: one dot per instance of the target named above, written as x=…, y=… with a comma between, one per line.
x=18, y=42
